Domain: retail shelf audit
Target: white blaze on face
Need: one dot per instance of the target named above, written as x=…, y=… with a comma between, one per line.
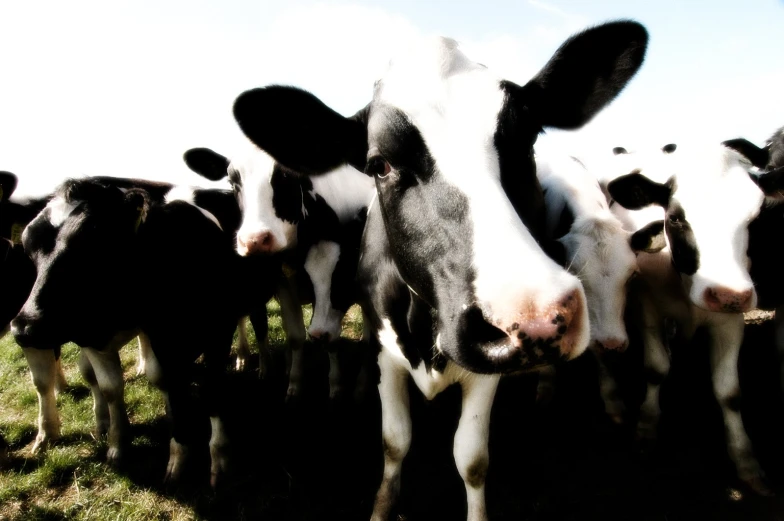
x=59, y=211
x=455, y=103
x=719, y=200
x=255, y=170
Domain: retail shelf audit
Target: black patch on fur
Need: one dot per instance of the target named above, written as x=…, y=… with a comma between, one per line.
x=685, y=255
x=649, y=238
x=634, y=191
x=207, y=163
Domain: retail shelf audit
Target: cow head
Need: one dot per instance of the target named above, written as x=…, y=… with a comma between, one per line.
x=82, y=245
x=450, y=146
x=709, y=198
x=603, y=256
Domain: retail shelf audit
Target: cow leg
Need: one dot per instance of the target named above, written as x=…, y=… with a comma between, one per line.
x=325, y=324
x=215, y=397
x=243, y=347
x=294, y=326
x=60, y=382
x=108, y=371
x=145, y=352
x=657, y=367
x=259, y=320
x=396, y=433
x=100, y=405
x=608, y=389
x=43, y=368
x=3, y=452
x=726, y=339
x=470, y=449
x=545, y=386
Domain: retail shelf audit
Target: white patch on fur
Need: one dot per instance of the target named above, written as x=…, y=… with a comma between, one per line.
x=454, y=103
x=346, y=190
x=320, y=265
x=59, y=211
x=186, y=194
x=597, y=246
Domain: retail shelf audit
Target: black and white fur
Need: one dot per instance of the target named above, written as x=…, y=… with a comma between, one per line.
x=112, y=263
x=457, y=289
x=600, y=252
x=701, y=279
x=316, y=223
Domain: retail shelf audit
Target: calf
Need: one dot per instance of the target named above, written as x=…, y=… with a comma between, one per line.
x=701, y=278
x=455, y=287
x=19, y=272
x=600, y=252
x=317, y=223
x=90, y=244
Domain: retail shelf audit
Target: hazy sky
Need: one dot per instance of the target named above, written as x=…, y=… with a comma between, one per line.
x=123, y=88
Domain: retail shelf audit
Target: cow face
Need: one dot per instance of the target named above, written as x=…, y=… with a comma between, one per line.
x=272, y=199
x=450, y=147
x=82, y=246
x=603, y=256
x=709, y=199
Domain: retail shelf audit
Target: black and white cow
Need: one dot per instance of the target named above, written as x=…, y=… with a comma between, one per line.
x=316, y=223
x=600, y=252
x=766, y=231
x=457, y=290
x=19, y=273
x=701, y=279
x=112, y=263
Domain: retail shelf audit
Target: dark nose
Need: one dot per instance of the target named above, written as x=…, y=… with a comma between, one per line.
x=22, y=327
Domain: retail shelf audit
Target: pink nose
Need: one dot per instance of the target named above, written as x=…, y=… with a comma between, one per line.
x=561, y=327
x=320, y=334
x=613, y=344
x=256, y=242
x=726, y=300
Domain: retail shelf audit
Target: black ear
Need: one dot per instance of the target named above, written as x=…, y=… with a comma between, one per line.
x=619, y=150
x=771, y=183
x=649, y=239
x=758, y=156
x=634, y=191
x=586, y=73
x=137, y=203
x=555, y=249
x=8, y=183
x=207, y=163
x=299, y=131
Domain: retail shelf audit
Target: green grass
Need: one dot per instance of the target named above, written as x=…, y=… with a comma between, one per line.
x=71, y=481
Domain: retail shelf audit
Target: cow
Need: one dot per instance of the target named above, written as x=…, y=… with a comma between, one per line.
x=317, y=224
x=764, y=251
x=44, y=360
x=701, y=279
x=112, y=263
x=456, y=289
x=600, y=252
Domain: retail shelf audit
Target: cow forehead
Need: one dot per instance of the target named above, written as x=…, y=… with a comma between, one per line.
x=252, y=163
x=453, y=102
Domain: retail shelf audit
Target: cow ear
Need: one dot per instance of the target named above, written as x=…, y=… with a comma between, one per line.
x=137, y=201
x=207, y=163
x=299, y=131
x=649, y=239
x=8, y=183
x=586, y=73
x=771, y=183
x=634, y=191
x=758, y=156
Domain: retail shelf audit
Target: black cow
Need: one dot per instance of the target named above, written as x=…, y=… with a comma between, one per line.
x=457, y=290
x=112, y=263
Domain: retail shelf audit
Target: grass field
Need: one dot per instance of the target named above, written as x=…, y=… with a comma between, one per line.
x=316, y=460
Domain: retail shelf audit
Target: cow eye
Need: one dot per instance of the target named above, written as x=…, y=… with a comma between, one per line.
x=674, y=219
x=378, y=166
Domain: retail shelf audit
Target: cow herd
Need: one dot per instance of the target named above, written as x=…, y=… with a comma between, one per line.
x=470, y=256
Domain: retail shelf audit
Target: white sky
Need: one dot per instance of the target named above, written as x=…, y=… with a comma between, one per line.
x=123, y=88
